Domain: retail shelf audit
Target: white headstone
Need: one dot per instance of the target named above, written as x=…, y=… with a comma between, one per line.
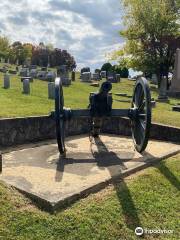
x=41, y=75
x=86, y=77
x=95, y=77
x=63, y=73
x=103, y=74
x=51, y=90
x=6, y=81
x=50, y=76
x=26, y=86
x=33, y=73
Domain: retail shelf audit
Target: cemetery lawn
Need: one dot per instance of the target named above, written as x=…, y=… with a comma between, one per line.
x=149, y=199
x=15, y=104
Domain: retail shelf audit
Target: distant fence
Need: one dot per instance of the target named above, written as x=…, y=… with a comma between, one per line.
x=16, y=131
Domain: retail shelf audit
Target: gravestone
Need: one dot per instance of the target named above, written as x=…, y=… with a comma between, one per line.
x=154, y=79
x=98, y=71
x=33, y=73
x=4, y=69
x=103, y=74
x=26, y=86
x=153, y=103
x=44, y=69
x=176, y=107
x=95, y=77
x=6, y=81
x=85, y=69
x=118, y=77
x=32, y=67
x=163, y=91
x=86, y=77
x=41, y=75
x=24, y=72
x=51, y=90
x=111, y=77
x=50, y=76
x=29, y=78
x=63, y=73
x=175, y=84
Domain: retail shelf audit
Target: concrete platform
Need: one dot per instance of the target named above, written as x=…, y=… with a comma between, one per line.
x=51, y=181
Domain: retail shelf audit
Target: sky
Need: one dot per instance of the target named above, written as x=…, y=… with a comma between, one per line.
x=88, y=29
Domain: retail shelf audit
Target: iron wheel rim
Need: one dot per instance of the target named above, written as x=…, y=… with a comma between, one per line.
x=59, y=115
x=141, y=124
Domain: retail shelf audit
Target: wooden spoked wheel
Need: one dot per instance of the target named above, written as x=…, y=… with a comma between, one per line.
x=59, y=116
x=141, y=122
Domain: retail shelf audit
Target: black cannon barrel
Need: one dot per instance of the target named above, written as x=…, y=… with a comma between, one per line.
x=105, y=87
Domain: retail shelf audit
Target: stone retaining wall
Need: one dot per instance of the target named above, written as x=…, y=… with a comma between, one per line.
x=16, y=131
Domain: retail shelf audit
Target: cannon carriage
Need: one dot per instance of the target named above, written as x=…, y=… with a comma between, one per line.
x=100, y=106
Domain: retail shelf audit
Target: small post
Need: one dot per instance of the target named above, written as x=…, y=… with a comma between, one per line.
x=118, y=77
x=6, y=81
x=26, y=86
x=51, y=90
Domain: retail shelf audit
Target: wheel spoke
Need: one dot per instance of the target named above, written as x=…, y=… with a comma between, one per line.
x=141, y=129
x=141, y=107
x=142, y=124
x=136, y=135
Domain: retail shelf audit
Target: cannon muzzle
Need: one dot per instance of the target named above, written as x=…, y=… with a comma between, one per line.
x=105, y=87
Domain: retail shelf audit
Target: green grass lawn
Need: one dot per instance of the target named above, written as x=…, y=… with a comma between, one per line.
x=13, y=103
x=149, y=199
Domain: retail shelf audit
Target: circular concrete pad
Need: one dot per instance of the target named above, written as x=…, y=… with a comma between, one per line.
x=42, y=173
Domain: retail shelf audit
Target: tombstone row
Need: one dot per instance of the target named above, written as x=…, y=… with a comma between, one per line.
x=97, y=76
x=26, y=85
x=43, y=73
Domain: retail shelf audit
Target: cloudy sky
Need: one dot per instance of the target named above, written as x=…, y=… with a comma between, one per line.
x=88, y=29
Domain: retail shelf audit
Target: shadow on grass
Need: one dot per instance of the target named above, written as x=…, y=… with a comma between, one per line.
x=124, y=195
x=105, y=159
x=166, y=172
x=169, y=175
x=109, y=160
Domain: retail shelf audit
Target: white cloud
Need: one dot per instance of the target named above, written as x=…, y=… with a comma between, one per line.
x=88, y=29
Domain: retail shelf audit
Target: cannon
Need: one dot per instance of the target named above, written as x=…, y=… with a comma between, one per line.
x=100, y=106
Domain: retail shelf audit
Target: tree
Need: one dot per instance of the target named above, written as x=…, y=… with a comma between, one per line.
x=4, y=47
x=20, y=53
x=97, y=70
x=27, y=50
x=124, y=73
x=152, y=33
x=106, y=67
